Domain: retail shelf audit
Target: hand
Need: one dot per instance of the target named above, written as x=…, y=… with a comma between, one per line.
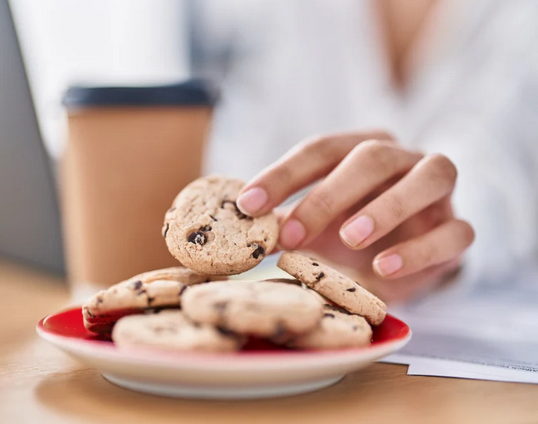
x=379, y=209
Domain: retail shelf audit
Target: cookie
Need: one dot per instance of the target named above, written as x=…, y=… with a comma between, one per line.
x=170, y=330
x=334, y=286
x=206, y=231
x=259, y=308
x=160, y=288
x=338, y=329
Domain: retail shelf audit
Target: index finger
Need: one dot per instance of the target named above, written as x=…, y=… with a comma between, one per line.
x=301, y=166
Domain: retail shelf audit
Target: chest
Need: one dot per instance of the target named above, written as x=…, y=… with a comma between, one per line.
x=401, y=23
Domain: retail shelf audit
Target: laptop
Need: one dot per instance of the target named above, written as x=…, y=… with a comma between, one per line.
x=30, y=229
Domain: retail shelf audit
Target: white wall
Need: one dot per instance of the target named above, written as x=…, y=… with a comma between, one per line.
x=96, y=42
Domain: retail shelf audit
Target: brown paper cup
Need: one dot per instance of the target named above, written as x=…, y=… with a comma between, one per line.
x=130, y=151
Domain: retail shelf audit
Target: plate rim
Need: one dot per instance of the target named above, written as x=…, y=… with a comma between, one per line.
x=203, y=360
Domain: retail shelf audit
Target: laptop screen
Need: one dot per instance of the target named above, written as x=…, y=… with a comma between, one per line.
x=29, y=217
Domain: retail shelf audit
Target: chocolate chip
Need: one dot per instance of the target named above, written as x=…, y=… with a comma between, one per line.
x=150, y=300
x=280, y=333
x=197, y=238
x=225, y=332
x=320, y=276
x=165, y=229
x=352, y=289
x=225, y=201
x=258, y=251
x=183, y=290
x=328, y=315
x=213, y=218
x=137, y=285
x=99, y=299
x=238, y=213
x=355, y=328
x=315, y=264
x=205, y=228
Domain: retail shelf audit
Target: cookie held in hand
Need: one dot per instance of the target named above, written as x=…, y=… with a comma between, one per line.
x=206, y=232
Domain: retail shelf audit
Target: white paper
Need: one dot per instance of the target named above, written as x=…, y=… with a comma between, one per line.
x=485, y=334
x=445, y=368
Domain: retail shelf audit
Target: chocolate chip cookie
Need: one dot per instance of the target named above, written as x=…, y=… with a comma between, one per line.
x=334, y=286
x=170, y=330
x=160, y=288
x=338, y=329
x=206, y=231
x=278, y=311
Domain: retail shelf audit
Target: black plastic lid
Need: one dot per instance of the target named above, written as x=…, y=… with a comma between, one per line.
x=188, y=93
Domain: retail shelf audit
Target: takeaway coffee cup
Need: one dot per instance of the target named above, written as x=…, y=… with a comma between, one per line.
x=130, y=151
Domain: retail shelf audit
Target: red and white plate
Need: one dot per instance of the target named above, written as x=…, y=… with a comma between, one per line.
x=262, y=370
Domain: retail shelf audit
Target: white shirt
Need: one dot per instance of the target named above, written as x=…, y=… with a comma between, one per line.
x=294, y=68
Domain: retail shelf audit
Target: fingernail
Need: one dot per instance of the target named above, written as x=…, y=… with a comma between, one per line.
x=388, y=265
x=292, y=234
x=252, y=201
x=357, y=230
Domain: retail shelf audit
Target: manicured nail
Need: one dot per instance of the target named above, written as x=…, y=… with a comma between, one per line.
x=252, y=201
x=388, y=265
x=357, y=230
x=292, y=234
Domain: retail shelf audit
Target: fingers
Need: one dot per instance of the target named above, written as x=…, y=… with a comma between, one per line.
x=368, y=166
x=432, y=179
x=303, y=165
x=442, y=244
x=281, y=213
x=416, y=285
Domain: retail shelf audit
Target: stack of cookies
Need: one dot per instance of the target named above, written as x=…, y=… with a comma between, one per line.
x=195, y=308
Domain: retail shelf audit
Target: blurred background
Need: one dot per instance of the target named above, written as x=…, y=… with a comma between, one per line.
x=456, y=77
x=99, y=43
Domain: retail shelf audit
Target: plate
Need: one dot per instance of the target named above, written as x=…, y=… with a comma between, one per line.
x=261, y=370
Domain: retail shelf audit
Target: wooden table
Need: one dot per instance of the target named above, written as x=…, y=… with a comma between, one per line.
x=39, y=384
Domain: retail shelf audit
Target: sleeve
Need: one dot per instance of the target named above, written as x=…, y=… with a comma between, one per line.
x=489, y=128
